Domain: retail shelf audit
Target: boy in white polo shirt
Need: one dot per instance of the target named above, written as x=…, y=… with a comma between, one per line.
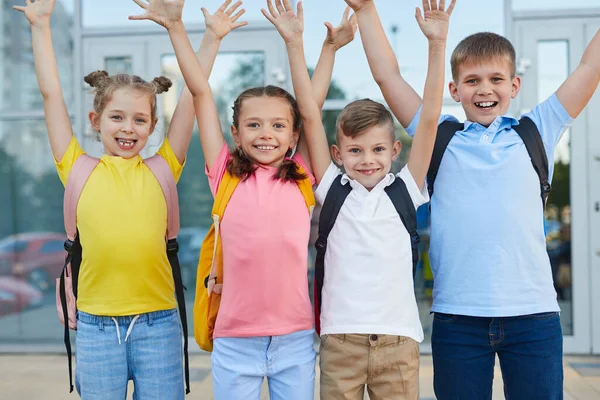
x=369, y=320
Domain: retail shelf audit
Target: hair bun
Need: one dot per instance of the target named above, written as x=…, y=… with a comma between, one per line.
x=97, y=78
x=162, y=84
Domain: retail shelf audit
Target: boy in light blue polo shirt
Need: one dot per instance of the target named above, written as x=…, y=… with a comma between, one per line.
x=493, y=290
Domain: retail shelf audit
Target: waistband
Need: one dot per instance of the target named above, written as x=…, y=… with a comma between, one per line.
x=369, y=340
x=126, y=319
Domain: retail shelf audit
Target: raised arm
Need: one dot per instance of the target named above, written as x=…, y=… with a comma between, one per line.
x=336, y=38
x=218, y=25
x=580, y=86
x=399, y=95
x=168, y=14
x=291, y=26
x=434, y=25
x=60, y=131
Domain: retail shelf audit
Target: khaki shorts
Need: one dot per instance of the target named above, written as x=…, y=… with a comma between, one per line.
x=388, y=365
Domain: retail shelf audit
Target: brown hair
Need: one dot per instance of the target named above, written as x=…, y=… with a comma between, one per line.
x=240, y=164
x=361, y=115
x=105, y=85
x=482, y=47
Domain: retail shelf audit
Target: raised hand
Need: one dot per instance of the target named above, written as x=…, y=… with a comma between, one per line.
x=434, y=22
x=222, y=21
x=289, y=25
x=163, y=12
x=344, y=33
x=358, y=4
x=37, y=11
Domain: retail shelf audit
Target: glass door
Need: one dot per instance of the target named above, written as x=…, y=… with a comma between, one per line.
x=548, y=50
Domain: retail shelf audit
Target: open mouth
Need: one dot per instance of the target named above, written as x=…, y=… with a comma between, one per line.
x=486, y=105
x=265, y=148
x=126, y=144
x=368, y=172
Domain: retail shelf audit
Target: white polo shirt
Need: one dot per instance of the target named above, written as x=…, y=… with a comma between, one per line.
x=368, y=285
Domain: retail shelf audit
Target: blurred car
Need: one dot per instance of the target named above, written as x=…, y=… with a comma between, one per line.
x=17, y=295
x=190, y=241
x=36, y=257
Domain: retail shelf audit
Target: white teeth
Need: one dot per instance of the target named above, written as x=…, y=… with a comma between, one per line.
x=485, y=104
x=265, y=147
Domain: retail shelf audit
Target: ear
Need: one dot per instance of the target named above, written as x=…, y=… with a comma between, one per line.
x=295, y=138
x=94, y=120
x=516, y=86
x=453, y=88
x=153, y=126
x=396, y=150
x=336, y=154
x=236, y=136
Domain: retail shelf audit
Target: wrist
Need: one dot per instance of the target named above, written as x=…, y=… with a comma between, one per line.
x=437, y=44
x=365, y=7
x=175, y=26
x=330, y=46
x=41, y=24
x=294, y=43
x=213, y=37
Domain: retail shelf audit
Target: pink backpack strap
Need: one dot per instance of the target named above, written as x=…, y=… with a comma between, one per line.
x=81, y=171
x=161, y=170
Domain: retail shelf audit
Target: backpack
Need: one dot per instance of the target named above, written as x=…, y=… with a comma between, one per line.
x=210, y=264
x=66, y=285
x=526, y=129
x=400, y=197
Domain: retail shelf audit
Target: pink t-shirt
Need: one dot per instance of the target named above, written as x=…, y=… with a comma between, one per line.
x=264, y=234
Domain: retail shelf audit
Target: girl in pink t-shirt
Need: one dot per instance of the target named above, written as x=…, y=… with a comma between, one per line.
x=265, y=323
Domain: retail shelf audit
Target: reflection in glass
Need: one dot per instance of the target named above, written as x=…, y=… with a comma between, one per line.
x=31, y=233
x=19, y=89
x=118, y=65
x=553, y=69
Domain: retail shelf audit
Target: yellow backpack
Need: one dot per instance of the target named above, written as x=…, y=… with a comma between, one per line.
x=209, y=284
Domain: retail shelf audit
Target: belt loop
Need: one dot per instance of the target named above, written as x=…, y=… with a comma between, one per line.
x=149, y=319
x=100, y=323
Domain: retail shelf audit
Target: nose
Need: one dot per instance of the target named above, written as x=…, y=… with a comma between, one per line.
x=484, y=88
x=127, y=126
x=266, y=134
x=367, y=157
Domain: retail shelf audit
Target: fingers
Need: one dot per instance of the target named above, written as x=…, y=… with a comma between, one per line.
x=271, y=9
x=419, y=16
x=442, y=5
x=234, y=7
x=300, y=12
x=141, y=3
x=268, y=15
x=138, y=17
x=451, y=7
x=329, y=28
x=224, y=6
x=279, y=7
x=19, y=8
x=205, y=12
x=28, y=2
x=346, y=13
x=426, y=6
x=354, y=22
x=287, y=5
x=237, y=15
x=239, y=25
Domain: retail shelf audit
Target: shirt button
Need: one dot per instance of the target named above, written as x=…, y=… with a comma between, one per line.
x=485, y=136
x=373, y=338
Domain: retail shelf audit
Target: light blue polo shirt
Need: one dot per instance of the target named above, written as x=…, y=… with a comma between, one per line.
x=488, y=249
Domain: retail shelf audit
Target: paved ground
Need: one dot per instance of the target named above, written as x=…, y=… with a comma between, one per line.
x=44, y=377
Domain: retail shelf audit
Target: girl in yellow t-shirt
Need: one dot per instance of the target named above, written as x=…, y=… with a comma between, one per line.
x=128, y=324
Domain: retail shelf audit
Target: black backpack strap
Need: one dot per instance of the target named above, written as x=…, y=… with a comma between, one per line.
x=331, y=208
x=172, y=249
x=73, y=256
x=400, y=197
x=530, y=135
x=445, y=133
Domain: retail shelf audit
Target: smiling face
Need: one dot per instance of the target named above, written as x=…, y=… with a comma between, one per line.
x=125, y=123
x=367, y=157
x=485, y=89
x=265, y=129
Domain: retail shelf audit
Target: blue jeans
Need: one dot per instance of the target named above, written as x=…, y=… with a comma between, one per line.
x=239, y=366
x=529, y=348
x=113, y=350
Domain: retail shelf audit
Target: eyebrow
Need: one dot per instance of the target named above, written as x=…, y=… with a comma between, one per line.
x=121, y=111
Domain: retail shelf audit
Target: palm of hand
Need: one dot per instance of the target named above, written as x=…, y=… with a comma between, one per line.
x=342, y=35
x=165, y=12
x=289, y=25
x=219, y=23
x=435, y=24
x=38, y=10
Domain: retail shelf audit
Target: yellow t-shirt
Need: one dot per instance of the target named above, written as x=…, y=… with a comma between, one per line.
x=122, y=222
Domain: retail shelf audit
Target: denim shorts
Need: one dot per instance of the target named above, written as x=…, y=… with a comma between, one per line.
x=239, y=366
x=146, y=349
